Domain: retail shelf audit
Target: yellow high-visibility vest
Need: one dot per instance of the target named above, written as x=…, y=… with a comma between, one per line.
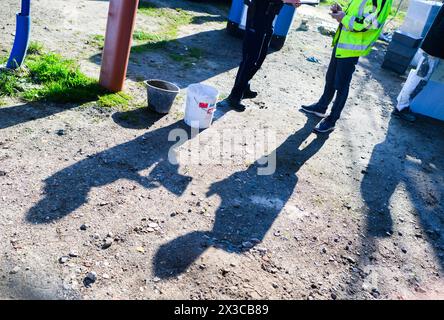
x=361, y=27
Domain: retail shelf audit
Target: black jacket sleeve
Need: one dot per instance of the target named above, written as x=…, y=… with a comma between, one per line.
x=434, y=41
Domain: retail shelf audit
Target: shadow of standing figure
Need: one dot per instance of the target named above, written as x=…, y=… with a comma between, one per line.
x=68, y=189
x=401, y=159
x=250, y=205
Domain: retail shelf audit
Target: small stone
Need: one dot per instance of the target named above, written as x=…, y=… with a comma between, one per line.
x=153, y=225
x=74, y=254
x=262, y=250
x=63, y=259
x=107, y=243
x=324, y=250
x=90, y=278
x=404, y=250
x=140, y=249
x=150, y=230
x=224, y=271
x=15, y=270
x=375, y=294
x=350, y=259
x=275, y=285
x=105, y=276
x=83, y=227
x=327, y=30
x=334, y=296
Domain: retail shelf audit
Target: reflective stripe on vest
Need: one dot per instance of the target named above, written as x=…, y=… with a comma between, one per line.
x=362, y=7
x=373, y=18
x=356, y=47
x=352, y=23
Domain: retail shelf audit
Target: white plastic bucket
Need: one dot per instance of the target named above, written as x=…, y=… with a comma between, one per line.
x=200, y=105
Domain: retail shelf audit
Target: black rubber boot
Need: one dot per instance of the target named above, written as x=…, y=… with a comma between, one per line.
x=405, y=114
x=249, y=94
x=232, y=103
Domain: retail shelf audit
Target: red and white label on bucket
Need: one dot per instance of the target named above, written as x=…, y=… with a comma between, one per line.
x=210, y=108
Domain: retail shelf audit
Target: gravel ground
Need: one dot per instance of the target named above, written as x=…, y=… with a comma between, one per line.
x=91, y=208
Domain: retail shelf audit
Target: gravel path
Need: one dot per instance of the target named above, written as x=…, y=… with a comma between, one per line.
x=91, y=208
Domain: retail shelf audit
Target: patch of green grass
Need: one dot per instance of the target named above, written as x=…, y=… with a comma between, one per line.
x=332, y=2
x=115, y=100
x=35, y=48
x=59, y=80
x=50, y=77
x=98, y=41
x=188, y=57
x=195, y=53
x=9, y=83
x=151, y=41
x=169, y=19
x=3, y=60
x=148, y=9
x=172, y=17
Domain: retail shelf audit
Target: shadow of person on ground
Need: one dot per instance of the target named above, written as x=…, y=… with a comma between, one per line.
x=14, y=115
x=401, y=160
x=250, y=205
x=68, y=189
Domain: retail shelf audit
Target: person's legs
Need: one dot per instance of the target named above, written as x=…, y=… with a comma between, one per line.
x=343, y=76
x=259, y=32
x=329, y=88
x=319, y=108
x=414, y=84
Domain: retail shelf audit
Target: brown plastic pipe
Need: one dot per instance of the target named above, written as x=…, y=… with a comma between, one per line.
x=118, y=40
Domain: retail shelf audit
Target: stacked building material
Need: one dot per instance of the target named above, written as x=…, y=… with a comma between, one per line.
x=407, y=39
x=401, y=51
x=420, y=17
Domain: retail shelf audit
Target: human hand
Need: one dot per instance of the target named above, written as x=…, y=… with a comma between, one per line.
x=336, y=8
x=338, y=16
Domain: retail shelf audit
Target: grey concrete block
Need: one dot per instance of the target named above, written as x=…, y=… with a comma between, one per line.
x=406, y=39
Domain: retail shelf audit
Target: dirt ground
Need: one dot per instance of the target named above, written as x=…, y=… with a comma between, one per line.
x=357, y=214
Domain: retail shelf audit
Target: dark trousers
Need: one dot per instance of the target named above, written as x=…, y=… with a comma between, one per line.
x=339, y=75
x=258, y=34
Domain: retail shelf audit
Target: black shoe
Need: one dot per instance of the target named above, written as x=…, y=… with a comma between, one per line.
x=314, y=109
x=249, y=94
x=232, y=103
x=405, y=114
x=325, y=126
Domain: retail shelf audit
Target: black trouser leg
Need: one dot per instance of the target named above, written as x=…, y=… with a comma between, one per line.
x=329, y=89
x=259, y=31
x=344, y=74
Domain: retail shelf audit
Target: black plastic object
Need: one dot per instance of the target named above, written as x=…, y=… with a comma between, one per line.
x=161, y=95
